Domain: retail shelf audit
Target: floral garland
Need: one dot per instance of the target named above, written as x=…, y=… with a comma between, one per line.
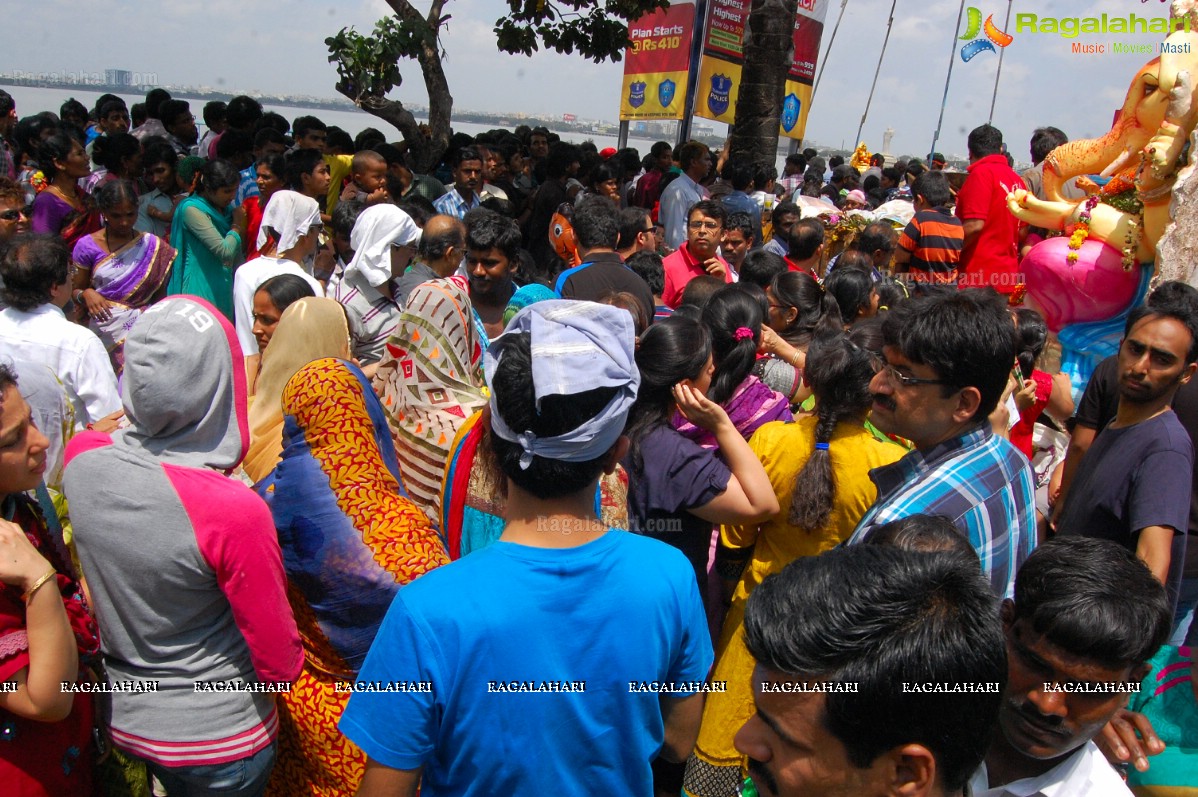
x=1079, y=232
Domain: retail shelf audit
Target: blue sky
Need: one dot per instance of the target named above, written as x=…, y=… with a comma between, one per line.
x=279, y=47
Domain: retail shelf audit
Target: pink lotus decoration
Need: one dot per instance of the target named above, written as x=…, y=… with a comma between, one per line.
x=1093, y=289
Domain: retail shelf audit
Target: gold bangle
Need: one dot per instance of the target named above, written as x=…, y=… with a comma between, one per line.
x=38, y=584
x=795, y=360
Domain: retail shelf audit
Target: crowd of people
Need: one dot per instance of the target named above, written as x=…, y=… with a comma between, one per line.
x=559, y=471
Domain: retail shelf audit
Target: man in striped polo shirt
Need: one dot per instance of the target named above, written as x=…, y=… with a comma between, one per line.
x=930, y=247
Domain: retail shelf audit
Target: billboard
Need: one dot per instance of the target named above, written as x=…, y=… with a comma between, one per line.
x=656, y=64
x=723, y=55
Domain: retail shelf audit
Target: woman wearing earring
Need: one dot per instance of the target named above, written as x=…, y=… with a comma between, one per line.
x=62, y=208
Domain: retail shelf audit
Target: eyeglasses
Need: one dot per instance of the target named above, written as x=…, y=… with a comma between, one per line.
x=898, y=378
x=15, y=213
x=704, y=225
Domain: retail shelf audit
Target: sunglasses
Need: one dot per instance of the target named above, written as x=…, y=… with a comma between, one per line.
x=16, y=213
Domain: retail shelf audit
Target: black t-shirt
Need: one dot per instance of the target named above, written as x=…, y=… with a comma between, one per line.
x=1097, y=408
x=604, y=273
x=1131, y=478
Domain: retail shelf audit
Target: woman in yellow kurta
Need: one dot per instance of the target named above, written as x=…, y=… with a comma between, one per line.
x=819, y=468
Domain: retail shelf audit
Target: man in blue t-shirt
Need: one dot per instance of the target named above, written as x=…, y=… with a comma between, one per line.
x=566, y=658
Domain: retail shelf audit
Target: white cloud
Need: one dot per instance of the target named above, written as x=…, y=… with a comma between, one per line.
x=261, y=44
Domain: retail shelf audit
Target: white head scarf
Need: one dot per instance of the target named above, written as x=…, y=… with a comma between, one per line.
x=291, y=215
x=575, y=347
x=377, y=229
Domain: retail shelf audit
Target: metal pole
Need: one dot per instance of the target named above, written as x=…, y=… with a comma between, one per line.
x=828, y=51
x=699, y=35
x=878, y=71
x=951, y=57
x=622, y=136
x=1001, y=52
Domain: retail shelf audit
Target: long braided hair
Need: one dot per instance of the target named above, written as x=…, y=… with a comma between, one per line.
x=839, y=372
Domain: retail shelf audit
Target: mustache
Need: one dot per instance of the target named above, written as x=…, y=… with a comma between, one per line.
x=885, y=401
x=761, y=776
x=1031, y=716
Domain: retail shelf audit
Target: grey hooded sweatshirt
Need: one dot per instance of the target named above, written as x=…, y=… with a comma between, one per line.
x=183, y=562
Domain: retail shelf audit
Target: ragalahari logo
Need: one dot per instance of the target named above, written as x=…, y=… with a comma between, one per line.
x=993, y=35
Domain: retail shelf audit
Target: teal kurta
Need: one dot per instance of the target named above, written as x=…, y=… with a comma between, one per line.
x=209, y=249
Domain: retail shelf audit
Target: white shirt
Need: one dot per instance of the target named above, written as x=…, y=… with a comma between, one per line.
x=246, y=280
x=1086, y=773
x=676, y=203
x=73, y=352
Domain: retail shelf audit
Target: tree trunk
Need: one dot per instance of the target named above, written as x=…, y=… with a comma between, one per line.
x=769, y=49
x=425, y=151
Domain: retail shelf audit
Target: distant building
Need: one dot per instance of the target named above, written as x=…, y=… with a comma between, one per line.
x=118, y=77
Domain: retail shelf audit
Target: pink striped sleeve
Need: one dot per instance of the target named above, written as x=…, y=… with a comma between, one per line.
x=236, y=536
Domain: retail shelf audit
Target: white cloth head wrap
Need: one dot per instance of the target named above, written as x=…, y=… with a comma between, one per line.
x=576, y=346
x=378, y=228
x=291, y=215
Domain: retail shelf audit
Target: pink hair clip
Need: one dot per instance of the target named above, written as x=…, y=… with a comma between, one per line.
x=742, y=333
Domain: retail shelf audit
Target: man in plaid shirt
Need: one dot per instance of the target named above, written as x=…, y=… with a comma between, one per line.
x=947, y=359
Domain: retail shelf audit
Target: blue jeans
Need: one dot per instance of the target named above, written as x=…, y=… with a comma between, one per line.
x=245, y=777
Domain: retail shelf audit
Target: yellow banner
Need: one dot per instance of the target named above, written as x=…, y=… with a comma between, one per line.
x=653, y=95
x=719, y=85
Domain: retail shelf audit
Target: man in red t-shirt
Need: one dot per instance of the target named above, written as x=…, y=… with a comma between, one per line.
x=699, y=253
x=991, y=252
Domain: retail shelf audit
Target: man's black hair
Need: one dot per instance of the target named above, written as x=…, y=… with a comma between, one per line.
x=933, y=187
x=596, y=223
x=806, y=237
x=879, y=618
x=1172, y=299
x=633, y=222
x=554, y=415
x=486, y=229
x=171, y=110
x=927, y=533
x=266, y=136
x=434, y=247
x=154, y=100
x=464, y=154
x=648, y=266
x=305, y=124
x=711, y=208
x=1094, y=599
x=761, y=266
x=742, y=221
x=299, y=163
x=1045, y=140
x=984, y=140
x=561, y=155
x=738, y=174
x=966, y=337
x=345, y=215
x=215, y=112
x=233, y=143
x=781, y=209
x=30, y=266
x=876, y=235
x=243, y=112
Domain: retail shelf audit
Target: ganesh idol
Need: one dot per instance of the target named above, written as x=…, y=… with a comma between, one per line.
x=1086, y=280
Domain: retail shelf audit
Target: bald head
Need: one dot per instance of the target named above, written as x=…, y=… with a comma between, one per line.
x=443, y=243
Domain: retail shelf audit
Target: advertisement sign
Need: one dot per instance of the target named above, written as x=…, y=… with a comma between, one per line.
x=656, y=62
x=723, y=55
